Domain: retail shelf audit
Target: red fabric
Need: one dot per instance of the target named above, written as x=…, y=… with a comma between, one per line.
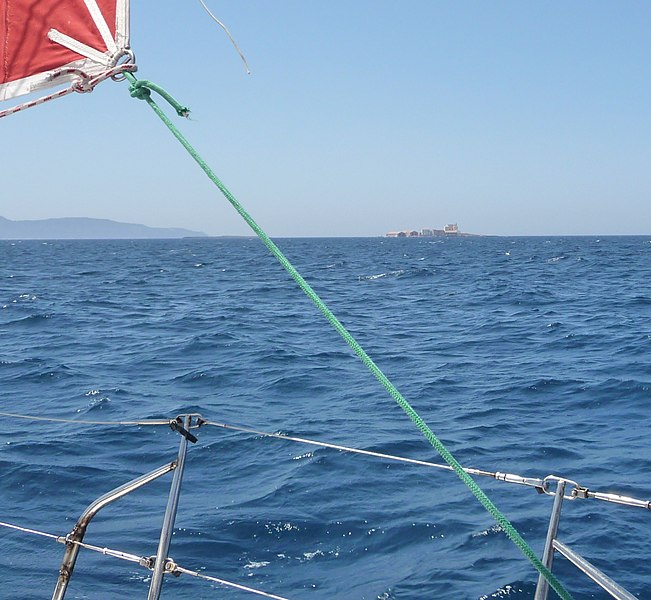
x=24, y=24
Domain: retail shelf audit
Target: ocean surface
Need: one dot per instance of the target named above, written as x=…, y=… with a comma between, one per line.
x=524, y=355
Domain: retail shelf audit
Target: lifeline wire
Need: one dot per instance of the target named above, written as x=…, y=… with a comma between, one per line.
x=507, y=477
x=140, y=560
x=412, y=461
x=228, y=583
x=33, y=531
x=175, y=569
x=82, y=422
x=539, y=484
x=139, y=89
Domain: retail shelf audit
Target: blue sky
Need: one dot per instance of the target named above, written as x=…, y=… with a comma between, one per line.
x=360, y=117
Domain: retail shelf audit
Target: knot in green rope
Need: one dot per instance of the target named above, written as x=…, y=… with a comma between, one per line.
x=142, y=89
x=139, y=91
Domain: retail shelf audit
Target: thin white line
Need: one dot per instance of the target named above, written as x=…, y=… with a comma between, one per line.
x=228, y=583
x=228, y=33
x=82, y=422
x=281, y=436
x=100, y=23
x=78, y=47
x=26, y=530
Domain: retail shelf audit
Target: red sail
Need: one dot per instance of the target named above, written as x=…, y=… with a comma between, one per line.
x=38, y=38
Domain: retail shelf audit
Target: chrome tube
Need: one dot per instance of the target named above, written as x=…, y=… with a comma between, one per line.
x=169, y=518
x=79, y=531
x=542, y=588
x=601, y=579
x=619, y=499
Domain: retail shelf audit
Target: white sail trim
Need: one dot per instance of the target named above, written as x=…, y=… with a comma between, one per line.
x=95, y=62
x=103, y=58
x=122, y=24
x=34, y=83
x=102, y=26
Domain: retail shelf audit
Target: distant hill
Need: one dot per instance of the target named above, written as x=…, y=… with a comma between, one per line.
x=80, y=228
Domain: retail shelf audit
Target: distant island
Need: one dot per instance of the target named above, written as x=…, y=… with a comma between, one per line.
x=449, y=230
x=81, y=228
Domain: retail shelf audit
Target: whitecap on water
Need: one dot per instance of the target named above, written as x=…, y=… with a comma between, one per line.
x=278, y=527
x=25, y=298
x=256, y=564
x=305, y=455
x=381, y=275
x=507, y=590
x=97, y=401
x=490, y=531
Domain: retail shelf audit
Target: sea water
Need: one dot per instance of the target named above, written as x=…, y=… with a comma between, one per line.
x=524, y=355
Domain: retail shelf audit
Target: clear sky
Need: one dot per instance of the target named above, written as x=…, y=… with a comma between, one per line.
x=360, y=117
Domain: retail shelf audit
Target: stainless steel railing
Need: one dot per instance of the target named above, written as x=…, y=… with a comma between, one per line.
x=560, y=488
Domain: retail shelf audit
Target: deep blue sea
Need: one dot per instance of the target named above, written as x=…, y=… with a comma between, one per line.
x=524, y=355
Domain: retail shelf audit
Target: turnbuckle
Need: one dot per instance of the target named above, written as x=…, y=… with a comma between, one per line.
x=171, y=568
x=573, y=490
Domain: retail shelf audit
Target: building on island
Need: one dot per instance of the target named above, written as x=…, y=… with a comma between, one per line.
x=450, y=229
x=405, y=233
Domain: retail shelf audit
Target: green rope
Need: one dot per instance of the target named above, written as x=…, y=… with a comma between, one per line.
x=141, y=89
x=136, y=90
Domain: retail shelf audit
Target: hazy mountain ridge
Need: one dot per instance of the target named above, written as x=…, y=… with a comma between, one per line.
x=78, y=228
